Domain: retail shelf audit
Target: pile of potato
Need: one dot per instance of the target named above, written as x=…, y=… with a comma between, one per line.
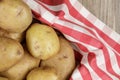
x=30, y=50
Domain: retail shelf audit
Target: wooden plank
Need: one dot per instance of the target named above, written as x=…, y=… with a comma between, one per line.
x=107, y=11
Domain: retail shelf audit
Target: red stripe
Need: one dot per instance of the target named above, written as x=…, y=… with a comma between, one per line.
x=54, y=13
x=79, y=36
x=62, y=18
x=118, y=59
x=107, y=60
x=61, y=14
x=82, y=47
x=51, y=2
x=108, y=63
x=66, y=29
x=84, y=72
x=79, y=17
x=114, y=44
x=38, y=17
x=109, y=68
x=93, y=64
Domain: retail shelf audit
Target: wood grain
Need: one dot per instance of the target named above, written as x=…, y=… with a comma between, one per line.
x=108, y=11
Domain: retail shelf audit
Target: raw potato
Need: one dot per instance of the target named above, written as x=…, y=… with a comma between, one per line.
x=42, y=74
x=63, y=62
x=15, y=15
x=16, y=36
x=3, y=78
x=11, y=52
x=21, y=69
x=42, y=41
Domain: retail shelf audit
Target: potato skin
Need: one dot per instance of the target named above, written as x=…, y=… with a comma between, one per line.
x=3, y=78
x=11, y=52
x=16, y=36
x=63, y=62
x=18, y=18
x=42, y=41
x=42, y=74
x=21, y=69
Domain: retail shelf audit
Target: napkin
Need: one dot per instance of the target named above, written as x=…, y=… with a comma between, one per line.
x=97, y=47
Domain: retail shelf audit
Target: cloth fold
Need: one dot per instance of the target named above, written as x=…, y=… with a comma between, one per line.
x=96, y=42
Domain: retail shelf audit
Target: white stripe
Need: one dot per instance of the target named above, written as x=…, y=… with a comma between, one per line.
x=84, y=12
x=111, y=53
x=35, y=8
x=115, y=36
x=99, y=57
x=114, y=61
x=56, y=7
x=73, y=1
x=99, y=24
x=70, y=38
x=76, y=75
x=101, y=63
x=85, y=62
x=74, y=27
x=110, y=48
x=52, y=19
x=89, y=47
x=67, y=15
x=46, y=16
x=104, y=42
x=49, y=17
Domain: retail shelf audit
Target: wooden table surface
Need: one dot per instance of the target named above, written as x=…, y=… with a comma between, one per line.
x=108, y=11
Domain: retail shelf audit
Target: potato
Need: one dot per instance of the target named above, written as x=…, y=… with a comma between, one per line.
x=21, y=69
x=63, y=62
x=16, y=36
x=3, y=78
x=42, y=74
x=18, y=18
x=42, y=41
x=11, y=52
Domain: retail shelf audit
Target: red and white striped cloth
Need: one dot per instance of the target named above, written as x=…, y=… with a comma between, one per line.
x=96, y=42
